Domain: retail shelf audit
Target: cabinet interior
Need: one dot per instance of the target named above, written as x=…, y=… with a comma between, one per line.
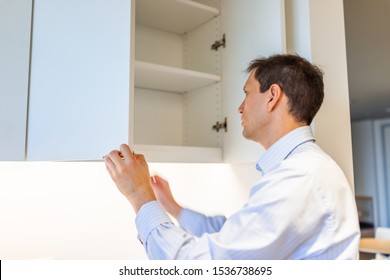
x=177, y=95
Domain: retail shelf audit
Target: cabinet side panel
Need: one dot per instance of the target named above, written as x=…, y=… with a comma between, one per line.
x=202, y=111
x=253, y=28
x=80, y=79
x=328, y=51
x=198, y=54
x=211, y=3
x=15, y=26
x=203, y=106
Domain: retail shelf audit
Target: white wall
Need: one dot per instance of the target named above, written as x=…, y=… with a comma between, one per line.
x=364, y=157
x=371, y=140
x=364, y=163
x=315, y=30
x=56, y=210
x=382, y=157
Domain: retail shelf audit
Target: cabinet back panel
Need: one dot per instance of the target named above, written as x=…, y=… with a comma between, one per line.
x=158, y=118
x=160, y=47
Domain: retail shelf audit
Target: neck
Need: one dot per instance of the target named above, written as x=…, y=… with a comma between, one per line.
x=277, y=131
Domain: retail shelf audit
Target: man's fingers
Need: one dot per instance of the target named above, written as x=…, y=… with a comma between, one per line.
x=160, y=180
x=126, y=152
x=140, y=158
x=109, y=163
x=109, y=170
x=115, y=156
x=110, y=166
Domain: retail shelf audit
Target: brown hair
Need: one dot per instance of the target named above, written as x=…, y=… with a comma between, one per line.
x=301, y=81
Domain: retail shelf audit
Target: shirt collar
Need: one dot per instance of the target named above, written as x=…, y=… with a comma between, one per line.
x=282, y=148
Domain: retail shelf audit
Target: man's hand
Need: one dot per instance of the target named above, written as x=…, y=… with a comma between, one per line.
x=164, y=196
x=130, y=172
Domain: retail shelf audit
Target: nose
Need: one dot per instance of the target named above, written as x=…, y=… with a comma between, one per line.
x=241, y=108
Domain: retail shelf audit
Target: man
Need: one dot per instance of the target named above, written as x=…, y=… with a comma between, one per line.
x=302, y=207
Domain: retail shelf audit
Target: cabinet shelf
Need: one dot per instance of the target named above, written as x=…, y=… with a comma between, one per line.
x=176, y=16
x=166, y=78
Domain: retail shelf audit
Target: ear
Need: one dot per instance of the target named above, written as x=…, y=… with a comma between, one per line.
x=275, y=96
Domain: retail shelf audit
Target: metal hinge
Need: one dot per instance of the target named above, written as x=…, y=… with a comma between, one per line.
x=220, y=43
x=219, y=126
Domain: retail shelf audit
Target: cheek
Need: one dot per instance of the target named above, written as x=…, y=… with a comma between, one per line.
x=251, y=106
x=256, y=112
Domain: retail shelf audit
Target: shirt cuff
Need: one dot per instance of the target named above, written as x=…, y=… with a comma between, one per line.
x=150, y=216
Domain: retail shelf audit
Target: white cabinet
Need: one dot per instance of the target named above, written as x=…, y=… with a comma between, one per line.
x=15, y=23
x=143, y=72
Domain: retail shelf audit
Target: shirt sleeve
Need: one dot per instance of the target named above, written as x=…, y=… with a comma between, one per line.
x=161, y=238
x=198, y=224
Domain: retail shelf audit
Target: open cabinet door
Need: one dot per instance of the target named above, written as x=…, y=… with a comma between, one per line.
x=15, y=26
x=253, y=28
x=81, y=79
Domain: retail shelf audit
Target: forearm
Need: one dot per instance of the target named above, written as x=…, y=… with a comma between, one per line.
x=140, y=197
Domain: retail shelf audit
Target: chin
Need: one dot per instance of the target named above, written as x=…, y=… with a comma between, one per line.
x=246, y=135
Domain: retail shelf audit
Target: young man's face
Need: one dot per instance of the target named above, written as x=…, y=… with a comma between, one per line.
x=253, y=109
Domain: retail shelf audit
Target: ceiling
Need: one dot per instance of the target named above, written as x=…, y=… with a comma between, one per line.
x=367, y=28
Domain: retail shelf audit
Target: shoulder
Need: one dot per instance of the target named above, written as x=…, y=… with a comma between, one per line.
x=310, y=159
x=308, y=173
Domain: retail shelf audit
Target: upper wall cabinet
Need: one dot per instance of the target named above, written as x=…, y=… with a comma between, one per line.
x=162, y=76
x=15, y=27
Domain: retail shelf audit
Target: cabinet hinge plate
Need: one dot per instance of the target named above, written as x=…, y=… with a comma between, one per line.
x=220, y=43
x=218, y=126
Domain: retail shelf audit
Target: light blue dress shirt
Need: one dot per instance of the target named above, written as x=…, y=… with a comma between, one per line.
x=301, y=208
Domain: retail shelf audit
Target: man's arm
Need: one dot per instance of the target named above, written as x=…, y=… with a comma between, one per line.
x=193, y=222
x=199, y=224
